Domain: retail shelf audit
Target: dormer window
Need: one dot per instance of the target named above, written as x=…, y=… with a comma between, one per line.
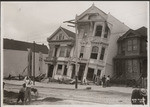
x=98, y=31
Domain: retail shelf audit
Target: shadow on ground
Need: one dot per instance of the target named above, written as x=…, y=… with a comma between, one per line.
x=10, y=98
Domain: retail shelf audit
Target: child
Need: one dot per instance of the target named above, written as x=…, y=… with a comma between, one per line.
x=21, y=94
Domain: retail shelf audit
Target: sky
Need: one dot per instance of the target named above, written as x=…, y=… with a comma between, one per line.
x=36, y=21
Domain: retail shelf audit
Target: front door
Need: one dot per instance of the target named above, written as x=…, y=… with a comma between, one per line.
x=90, y=74
x=50, y=70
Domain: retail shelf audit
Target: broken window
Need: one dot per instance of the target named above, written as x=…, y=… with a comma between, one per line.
x=98, y=31
x=94, y=52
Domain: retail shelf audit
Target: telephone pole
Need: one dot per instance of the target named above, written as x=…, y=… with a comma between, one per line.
x=76, y=49
x=76, y=57
x=33, y=62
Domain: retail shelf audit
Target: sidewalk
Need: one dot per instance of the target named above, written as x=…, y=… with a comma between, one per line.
x=72, y=87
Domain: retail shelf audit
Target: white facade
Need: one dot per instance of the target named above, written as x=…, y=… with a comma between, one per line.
x=15, y=61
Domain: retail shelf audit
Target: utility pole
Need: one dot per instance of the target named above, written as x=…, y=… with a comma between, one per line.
x=76, y=57
x=33, y=62
x=76, y=50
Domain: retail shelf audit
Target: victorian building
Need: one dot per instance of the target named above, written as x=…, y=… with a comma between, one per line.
x=131, y=60
x=97, y=34
x=61, y=48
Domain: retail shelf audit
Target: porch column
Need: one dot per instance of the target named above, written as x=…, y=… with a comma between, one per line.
x=85, y=71
x=55, y=70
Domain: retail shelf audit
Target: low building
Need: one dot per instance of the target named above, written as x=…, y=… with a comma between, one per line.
x=131, y=60
x=16, y=58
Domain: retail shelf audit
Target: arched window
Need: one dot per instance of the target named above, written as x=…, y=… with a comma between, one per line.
x=94, y=52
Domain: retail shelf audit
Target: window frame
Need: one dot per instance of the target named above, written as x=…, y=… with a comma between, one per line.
x=102, y=55
x=97, y=31
x=94, y=54
x=62, y=52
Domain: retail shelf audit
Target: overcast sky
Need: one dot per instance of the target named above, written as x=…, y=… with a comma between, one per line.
x=35, y=21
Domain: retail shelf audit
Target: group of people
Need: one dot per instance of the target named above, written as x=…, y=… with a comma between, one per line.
x=25, y=91
x=106, y=81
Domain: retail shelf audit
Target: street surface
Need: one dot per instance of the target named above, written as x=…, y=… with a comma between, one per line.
x=61, y=94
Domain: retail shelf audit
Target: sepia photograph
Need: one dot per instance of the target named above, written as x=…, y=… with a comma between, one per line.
x=84, y=53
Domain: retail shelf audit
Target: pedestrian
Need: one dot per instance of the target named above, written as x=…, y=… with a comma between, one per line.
x=84, y=80
x=28, y=83
x=98, y=80
x=104, y=81
x=108, y=81
x=21, y=93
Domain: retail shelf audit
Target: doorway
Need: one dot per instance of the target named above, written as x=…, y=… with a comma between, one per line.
x=90, y=74
x=81, y=71
x=50, y=70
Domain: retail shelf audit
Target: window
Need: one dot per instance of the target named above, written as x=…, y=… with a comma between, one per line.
x=132, y=45
x=65, y=70
x=94, y=52
x=132, y=65
x=55, y=54
x=98, y=72
x=82, y=51
x=98, y=31
x=62, y=52
x=129, y=66
x=59, y=69
x=106, y=32
x=68, y=51
x=129, y=45
x=102, y=53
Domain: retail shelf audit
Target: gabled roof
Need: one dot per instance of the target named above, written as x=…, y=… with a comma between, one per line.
x=23, y=46
x=141, y=32
x=67, y=32
x=104, y=15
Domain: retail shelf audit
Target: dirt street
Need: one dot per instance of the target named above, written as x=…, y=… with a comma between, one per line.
x=57, y=96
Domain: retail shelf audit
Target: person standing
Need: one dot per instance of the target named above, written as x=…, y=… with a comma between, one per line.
x=108, y=81
x=21, y=93
x=28, y=83
x=104, y=81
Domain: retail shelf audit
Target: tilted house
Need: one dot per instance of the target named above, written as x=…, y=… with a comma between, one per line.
x=131, y=60
x=97, y=44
